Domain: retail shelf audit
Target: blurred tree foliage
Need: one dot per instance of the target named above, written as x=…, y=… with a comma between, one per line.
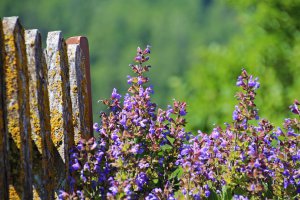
x=115, y=28
x=199, y=48
x=268, y=46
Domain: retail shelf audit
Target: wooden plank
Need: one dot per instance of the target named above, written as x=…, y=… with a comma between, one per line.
x=79, y=93
x=62, y=132
x=17, y=109
x=86, y=89
x=43, y=164
x=3, y=134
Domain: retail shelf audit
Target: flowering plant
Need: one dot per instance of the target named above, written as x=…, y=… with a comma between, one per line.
x=145, y=153
x=138, y=145
x=249, y=158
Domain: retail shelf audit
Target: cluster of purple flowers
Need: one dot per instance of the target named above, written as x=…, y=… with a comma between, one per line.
x=144, y=152
x=138, y=146
x=248, y=158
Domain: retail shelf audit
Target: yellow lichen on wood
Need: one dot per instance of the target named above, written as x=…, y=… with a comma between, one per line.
x=11, y=93
x=36, y=131
x=61, y=122
x=56, y=122
x=78, y=90
x=57, y=128
x=13, y=193
x=36, y=195
x=40, y=117
x=17, y=108
x=4, y=187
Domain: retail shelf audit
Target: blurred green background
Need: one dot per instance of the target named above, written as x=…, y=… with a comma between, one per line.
x=198, y=48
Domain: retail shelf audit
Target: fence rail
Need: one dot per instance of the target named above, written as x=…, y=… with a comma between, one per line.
x=45, y=108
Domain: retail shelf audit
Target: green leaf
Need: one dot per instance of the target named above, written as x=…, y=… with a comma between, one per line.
x=281, y=138
x=166, y=147
x=171, y=140
x=177, y=173
x=214, y=196
x=274, y=143
x=226, y=193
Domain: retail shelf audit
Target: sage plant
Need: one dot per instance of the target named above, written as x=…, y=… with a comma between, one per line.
x=249, y=158
x=144, y=152
x=138, y=146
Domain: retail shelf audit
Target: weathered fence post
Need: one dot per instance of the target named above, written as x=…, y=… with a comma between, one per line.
x=44, y=96
x=62, y=131
x=3, y=134
x=79, y=71
x=16, y=110
x=39, y=117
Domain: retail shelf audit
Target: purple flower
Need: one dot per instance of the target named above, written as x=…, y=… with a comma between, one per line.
x=239, y=81
x=182, y=112
x=80, y=194
x=129, y=80
x=138, y=58
x=235, y=114
x=196, y=197
x=114, y=135
x=252, y=151
x=239, y=197
x=141, y=180
x=127, y=189
x=253, y=83
x=93, y=144
x=161, y=161
x=286, y=173
x=256, y=163
x=123, y=120
x=185, y=151
x=291, y=132
x=115, y=95
x=140, y=80
x=223, y=143
x=171, y=197
x=211, y=175
x=141, y=150
x=207, y=193
x=244, y=124
x=146, y=59
x=147, y=50
x=63, y=195
x=215, y=133
x=86, y=166
x=151, y=197
x=80, y=146
x=215, y=149
x=157, y=190
x=135, y=149
x=114, y=190
x=152, y=129
x=294, y=107
x=76, y=166
x=115, y=151
x=143, y=123
x=285, y=183
x=96, y=126
x=127, y=102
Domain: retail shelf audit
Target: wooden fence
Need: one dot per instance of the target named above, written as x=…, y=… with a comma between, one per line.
x=45, y=108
